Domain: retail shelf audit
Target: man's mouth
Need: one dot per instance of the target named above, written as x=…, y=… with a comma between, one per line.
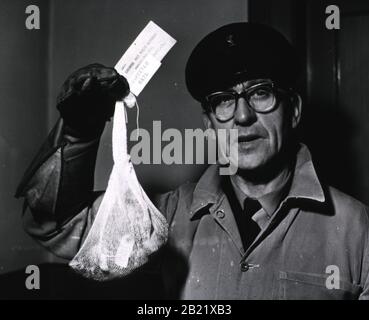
x=248, y=138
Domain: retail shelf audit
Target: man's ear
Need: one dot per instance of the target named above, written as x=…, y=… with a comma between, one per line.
x=296, y=110
x=207, y=121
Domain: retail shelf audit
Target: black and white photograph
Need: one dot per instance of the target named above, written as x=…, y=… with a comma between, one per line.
x=205, y=151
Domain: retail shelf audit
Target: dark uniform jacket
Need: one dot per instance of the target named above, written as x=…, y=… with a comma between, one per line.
x=314, y=246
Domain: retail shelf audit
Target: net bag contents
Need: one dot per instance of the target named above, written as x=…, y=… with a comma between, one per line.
x=127, y=227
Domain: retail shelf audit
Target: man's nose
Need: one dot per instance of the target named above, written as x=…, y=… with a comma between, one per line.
x=244, y=115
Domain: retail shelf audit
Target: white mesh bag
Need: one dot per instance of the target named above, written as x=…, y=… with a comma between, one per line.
x=127, y=227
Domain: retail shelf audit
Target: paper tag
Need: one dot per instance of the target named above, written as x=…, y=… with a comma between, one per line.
x=143, y=58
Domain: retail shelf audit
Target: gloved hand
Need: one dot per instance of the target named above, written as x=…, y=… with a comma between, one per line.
x=87, y=99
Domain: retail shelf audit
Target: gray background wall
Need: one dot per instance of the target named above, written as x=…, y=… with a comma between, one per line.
x=23, y=122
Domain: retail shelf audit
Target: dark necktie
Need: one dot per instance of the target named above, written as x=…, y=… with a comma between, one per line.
x=249, y=229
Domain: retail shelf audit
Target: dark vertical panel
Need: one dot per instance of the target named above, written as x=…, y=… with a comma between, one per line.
x=23, y=86
x=321, y=119
x=353, y=86
x=337, y=67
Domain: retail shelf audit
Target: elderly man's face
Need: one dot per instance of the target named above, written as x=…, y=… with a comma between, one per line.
x=260, y=135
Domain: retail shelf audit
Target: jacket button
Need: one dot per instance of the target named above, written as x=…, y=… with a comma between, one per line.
x=244, y=266
x=220, y=214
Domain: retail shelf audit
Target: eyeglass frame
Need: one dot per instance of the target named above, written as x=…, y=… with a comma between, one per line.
x=237, y=96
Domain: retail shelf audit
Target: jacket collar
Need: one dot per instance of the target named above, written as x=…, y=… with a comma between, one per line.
x=208, y=190
x=305, y=184
x=305, y=181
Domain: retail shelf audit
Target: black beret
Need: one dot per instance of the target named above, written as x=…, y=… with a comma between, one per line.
x=239, y=52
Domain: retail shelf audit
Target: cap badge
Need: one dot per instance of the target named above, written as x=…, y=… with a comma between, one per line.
x=230, y=40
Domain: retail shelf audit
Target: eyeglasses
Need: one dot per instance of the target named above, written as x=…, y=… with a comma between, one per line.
x=260, y=97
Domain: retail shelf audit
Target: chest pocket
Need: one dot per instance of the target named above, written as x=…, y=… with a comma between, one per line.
x=312, y=286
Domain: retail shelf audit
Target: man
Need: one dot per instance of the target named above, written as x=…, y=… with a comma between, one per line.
x=271, y=231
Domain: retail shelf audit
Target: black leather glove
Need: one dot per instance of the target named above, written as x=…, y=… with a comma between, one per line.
x=87, y=99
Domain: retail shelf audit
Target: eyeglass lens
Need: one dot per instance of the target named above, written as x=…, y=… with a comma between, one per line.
x=260, y=98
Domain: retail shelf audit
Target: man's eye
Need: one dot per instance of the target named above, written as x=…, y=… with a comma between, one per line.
x=222, y=100
x=261, y=93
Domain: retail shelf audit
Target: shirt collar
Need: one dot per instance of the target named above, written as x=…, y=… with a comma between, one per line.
x=304, y=185
x=269, y=201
